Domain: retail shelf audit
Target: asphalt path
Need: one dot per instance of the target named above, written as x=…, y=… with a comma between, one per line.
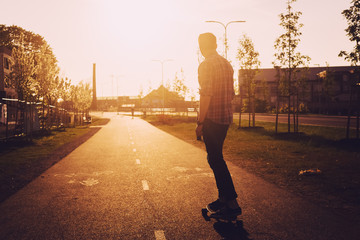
x=134, y=181
x=314, y=120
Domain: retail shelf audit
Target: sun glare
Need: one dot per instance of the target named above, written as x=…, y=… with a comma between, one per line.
x=135, y=20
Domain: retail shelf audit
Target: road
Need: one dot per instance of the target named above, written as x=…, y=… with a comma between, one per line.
x=307, y=119
x=134, y=181
x=315, y=120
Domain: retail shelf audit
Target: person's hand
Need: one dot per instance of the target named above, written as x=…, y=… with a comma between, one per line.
x=199, y=131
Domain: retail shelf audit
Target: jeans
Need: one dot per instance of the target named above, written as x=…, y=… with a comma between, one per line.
x=214, y=136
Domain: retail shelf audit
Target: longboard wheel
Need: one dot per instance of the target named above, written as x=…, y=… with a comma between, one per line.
x=205, y=215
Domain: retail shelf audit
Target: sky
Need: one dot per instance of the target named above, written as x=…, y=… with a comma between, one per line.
x=124, y=37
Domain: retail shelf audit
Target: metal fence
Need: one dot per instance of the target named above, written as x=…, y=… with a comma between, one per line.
x=20, y=118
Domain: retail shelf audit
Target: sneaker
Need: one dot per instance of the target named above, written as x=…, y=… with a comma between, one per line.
x=215, y=206
x=227, y=213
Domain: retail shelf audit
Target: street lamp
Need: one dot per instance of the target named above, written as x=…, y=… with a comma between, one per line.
x=162, y=78
x=225, y=27
x=117, y=98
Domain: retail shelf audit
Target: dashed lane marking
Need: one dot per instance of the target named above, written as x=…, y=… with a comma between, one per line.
x=132, y=143
x=134, y=150
x=160, y=235
x=137, y=161
x=145, y=185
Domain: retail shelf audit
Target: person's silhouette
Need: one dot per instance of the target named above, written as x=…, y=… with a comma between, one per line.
x=216, y=93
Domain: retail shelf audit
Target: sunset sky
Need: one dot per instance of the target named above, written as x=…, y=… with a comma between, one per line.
x=123, y=37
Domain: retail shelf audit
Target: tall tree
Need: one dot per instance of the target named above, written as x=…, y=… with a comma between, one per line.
x=15, y=36
x=353, y=32
x=287, y=57
x=249, y=64
x=23, y=72
x=46, y=74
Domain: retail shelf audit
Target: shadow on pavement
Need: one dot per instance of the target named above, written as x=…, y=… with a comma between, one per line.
x=231, y=231
x=10, y=184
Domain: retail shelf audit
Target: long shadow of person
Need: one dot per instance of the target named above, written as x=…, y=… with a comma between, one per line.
x=231, y=231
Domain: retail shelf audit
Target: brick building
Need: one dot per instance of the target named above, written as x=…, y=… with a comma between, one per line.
x=5, y=70
x=320, y=96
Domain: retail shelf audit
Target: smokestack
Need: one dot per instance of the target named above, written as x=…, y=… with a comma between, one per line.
x=94, y=103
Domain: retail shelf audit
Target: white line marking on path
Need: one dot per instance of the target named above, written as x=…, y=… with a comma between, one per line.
x=145, y=185
x=132, y=143
x=134, y=150
x=159, y=235
x=137, y=161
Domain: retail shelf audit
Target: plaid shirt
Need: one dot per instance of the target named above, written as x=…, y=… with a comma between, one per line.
x=216, y=80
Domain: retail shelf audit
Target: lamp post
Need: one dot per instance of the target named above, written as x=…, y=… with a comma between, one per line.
x=225, y=27
x=162, y=79
x=117, y=97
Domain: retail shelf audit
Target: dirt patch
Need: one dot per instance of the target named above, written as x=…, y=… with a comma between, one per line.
x=13, y=183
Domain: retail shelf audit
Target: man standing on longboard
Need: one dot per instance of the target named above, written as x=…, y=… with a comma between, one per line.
x=216, y=93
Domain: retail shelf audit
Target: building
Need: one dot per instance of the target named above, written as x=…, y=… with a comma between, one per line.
x=325, y=90
x=5, y=70
x=119, y=103
x=162, y=97
x=156, y=99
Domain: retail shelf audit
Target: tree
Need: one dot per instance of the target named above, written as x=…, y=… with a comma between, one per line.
x=249, y=65
x=287, y=57
x=179, y=84
x=34, y=73
x=15, y=36
x=33, y=57
x=46, y=80
x=47, y=71
x=353, y=32
x=64, y=96
x=82, y=96
x=23, y=72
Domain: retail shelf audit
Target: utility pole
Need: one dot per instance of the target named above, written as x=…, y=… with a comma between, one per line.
x=162, y=81
x=94, y=102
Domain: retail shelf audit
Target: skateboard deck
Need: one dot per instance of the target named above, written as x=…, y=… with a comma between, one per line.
x=208, y=216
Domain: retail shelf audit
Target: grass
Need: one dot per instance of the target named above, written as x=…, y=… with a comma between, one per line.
x=20, y=151
x=278, y=158
x=21, y=160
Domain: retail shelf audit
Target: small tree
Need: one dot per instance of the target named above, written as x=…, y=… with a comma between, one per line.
x=45, y=78
x=64, y=94
x=353, y=32
x=81, y=96
x=287, y=58
x=249, y=65
x=179, y=84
